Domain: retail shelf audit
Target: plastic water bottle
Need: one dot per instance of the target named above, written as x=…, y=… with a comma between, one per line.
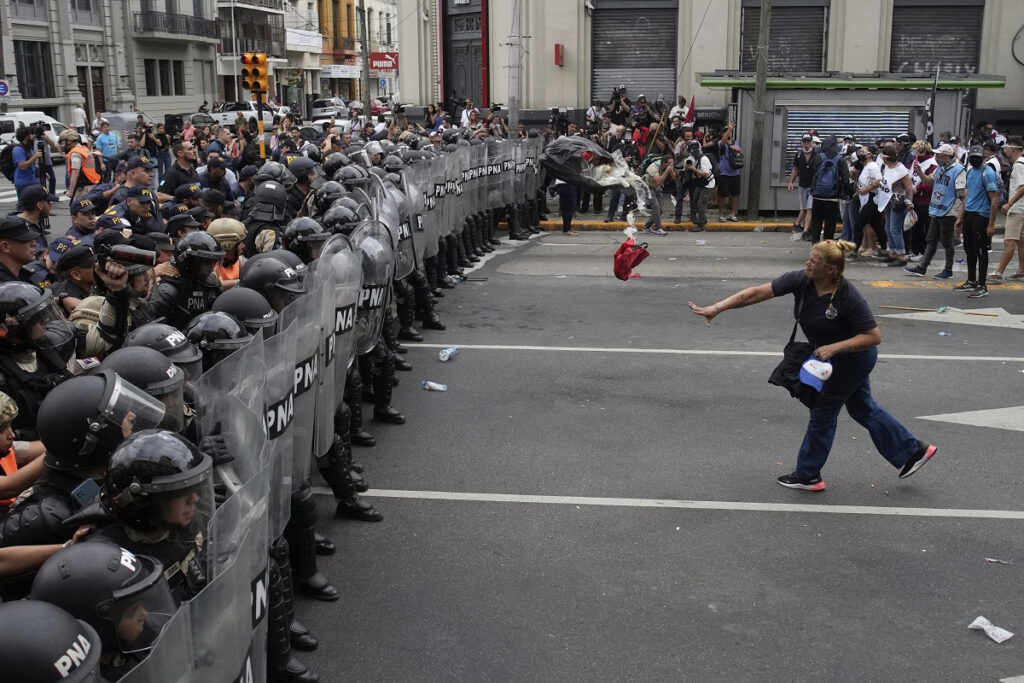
x=434, y=386
x=445, y=354
x=945, y=334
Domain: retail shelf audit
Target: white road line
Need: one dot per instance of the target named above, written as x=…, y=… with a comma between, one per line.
x=997, y=418
x=728, y=506
x=695, y=352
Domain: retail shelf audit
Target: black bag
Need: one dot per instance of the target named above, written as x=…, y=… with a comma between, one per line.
x=787, y=373
x=7, y=162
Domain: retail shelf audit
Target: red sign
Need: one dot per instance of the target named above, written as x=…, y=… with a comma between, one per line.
x=384, y=61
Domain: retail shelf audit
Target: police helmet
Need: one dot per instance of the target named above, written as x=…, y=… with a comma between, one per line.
x=124, y=596
x=304, y=237
x=301, y=167
x=269, y=201
x=218, y=335
x=42, y=643
x=250, y=307
x=340, y=219
x=377, y=171
x=326, y=194
x=334, y=161
x=313, y=151
x=395, y=180
x=277, y=172
x=171, y=343
x=147, y=473
x=273, y=278
x=352, y=176
x=194, y=248
x=393, y=163
x=373, y=147
x=83, y=419
x=227, y=231
x=26, y=315
x=154, y=373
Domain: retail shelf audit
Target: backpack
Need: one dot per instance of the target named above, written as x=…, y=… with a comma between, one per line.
x=1004, y=194
x=715, y=170
x=7, y=162
x=826, y=178
x=735, y=157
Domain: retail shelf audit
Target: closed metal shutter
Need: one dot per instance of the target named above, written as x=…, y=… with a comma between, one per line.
x=796, y=40
x=925, y=36
x=635, y=48
x=866, y=125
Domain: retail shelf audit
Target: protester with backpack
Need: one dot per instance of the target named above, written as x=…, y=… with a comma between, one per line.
x=831, y=181
x=730, y=162
x=700, y=174
x=22, y=163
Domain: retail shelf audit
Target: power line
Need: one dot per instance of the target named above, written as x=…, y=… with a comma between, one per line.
x=692, y=42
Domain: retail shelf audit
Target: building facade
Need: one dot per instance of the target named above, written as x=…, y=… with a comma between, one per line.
x=109, y=55
x=574, y=52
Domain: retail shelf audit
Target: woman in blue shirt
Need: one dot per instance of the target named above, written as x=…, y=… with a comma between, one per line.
x=106, y=143
x=838, y=322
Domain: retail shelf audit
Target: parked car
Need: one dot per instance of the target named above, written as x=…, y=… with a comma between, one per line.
x=327, y=108
x=226, y=114
x=13, y=120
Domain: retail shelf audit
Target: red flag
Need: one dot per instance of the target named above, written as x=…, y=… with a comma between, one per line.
x=691, y=113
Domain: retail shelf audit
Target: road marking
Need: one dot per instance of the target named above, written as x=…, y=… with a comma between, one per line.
x=1011, y=418
x=697, y=352
x=930, y=284
x=727, y=506
x=957, y=316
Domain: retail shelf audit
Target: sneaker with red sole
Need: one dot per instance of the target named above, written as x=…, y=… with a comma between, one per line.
x=798, y=481
x=918, y=460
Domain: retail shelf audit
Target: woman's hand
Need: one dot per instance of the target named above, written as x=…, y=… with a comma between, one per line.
x=826, y=352
x=706, y=312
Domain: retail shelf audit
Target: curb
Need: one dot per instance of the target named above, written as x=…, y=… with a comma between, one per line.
x=618, y=226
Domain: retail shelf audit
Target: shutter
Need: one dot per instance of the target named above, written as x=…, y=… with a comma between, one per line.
x=796, y=41
x=925, y=36
x=635, y=48
x=867, y=125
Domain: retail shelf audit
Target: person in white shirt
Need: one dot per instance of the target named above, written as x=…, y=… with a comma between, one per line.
x=680, y=110
x=465, y=112
x=1014, y=210
x=79, y=118
x=868, y=225
x=596, y=112
x=894, y=197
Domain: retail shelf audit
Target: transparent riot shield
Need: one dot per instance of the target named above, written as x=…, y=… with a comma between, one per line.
x=518, y=153
x=440, y=182
x=405, y=241
x=304, y=314
x=478, y=175
x=347, y=265
x=228, y=617
x=494, y=162
x=532, y=167
x=421, y=172
x=459, y=167
x=230, y=402
x=171, y=658
x=506, y=180
x=415, y=206
x=373, y=241
x=279, y=414
x=323, y=431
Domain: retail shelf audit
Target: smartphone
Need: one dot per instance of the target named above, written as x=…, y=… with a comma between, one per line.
x=86, y=492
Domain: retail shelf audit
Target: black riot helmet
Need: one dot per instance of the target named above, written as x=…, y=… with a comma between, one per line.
x=250, y=307
x=393, y=163
x=156, y=480
x=124, y=596
x=378, y=171
x=341, y=219
x=352, y=176
x=272, y=170
x=304, y=237
x=217, y=335
x=27, y=316
x=313, y=151
x=274, y=279
x=325, y=196
x=301, y=167
x=269, y=201
x=171, y=342
x=155, y=374
x=334, y=161
x=42, y=643
x=84, y=418
x=394, y=180
x=196, y=254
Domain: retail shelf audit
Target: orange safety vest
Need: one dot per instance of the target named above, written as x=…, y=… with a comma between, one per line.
x=9, y=465
x=89, y=167
x=229, y=272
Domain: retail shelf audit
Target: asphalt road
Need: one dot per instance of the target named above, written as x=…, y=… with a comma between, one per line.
x=594, y=496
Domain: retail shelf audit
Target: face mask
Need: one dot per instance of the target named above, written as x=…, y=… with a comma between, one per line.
x=975, y=162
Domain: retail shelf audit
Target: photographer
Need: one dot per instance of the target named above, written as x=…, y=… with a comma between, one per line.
x=659, y=174
x=620, y=107
x=26, y=153
x=698, y=175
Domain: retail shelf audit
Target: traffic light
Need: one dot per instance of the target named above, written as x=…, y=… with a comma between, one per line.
x=254, y=72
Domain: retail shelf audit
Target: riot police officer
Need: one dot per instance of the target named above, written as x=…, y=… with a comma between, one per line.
x=41, y=653
x=179, y=299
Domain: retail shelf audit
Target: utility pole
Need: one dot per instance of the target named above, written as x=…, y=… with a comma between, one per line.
x=756, y=164
x=364, y=51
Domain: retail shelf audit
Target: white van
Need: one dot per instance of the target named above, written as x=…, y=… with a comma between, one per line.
x=13, y=120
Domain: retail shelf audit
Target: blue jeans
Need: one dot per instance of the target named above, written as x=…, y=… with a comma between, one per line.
x=851, y=208
x=891, y=439
x=895, y=214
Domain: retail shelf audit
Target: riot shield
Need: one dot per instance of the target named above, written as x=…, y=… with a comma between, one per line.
x=494, y=161
x=422, y=173
x=440, y=176
x=506, y=180
x=305, y=315
x=478, y=175
x=518, y=153
x=323, y=431
x=532, y=168
x=230, y=402
x=171, y=657
x=459, y=169
x=415, y=204
x=348, y=280
x=228, y=617
x=279, y=414
x=373, y=241
x=405, y=242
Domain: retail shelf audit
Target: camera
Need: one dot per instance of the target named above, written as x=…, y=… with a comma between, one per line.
x=39, y=128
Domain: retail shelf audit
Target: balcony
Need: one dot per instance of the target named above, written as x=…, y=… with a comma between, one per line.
x=176, y=24
x=273, y=5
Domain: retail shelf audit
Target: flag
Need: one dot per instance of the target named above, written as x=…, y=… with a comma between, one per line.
x=691, y=113
x=929, y=127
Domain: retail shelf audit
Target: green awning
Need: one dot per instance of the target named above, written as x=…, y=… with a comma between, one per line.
x=885, y=81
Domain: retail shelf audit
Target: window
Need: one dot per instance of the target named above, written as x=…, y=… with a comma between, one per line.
x=179, y=77
x=197, y=8
x=796, y=40
x=151, y=88
x=28, y=9
x=165, y=77
x=388, y=35
x=86, y=12
x=35, y=70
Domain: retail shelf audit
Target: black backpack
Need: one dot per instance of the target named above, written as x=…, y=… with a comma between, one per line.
x=826, y=178
x=7, y=162
x=735, y=157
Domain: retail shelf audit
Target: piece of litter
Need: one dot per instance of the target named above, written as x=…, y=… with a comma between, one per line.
x=434, y=386
x=701, y=243
x=991, y=630
x=945, y=334
x=673, y=258
x=992, y=560
x=677, y=528
x=758, y=228
x=444, y=354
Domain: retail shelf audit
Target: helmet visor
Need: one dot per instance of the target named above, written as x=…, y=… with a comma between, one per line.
x=139, y=612
x=128, y=406
x=30, y=324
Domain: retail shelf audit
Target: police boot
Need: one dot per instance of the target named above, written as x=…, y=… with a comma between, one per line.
x=442, y=265
x=479, y=236
x=306, y=576
x=410, y=333
x=527, y=217
x=282, y=666
x=430, y=271
x=366, y=372
x=466, y=246
x=452, y=249
x=515, y=232
x=424, y=304
x=382, y=387
x=349, y=416
x=475, y=238
x=324, y=545
x=406, y=319
x=486, y=219
x=301, y=637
